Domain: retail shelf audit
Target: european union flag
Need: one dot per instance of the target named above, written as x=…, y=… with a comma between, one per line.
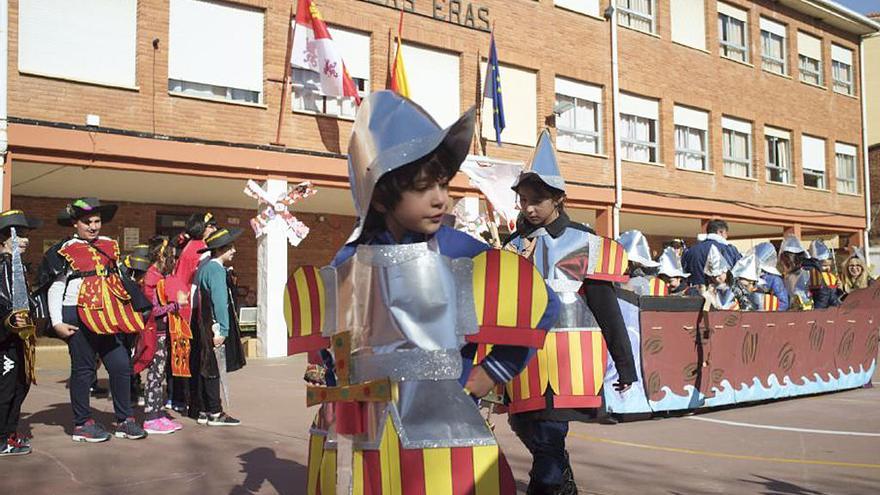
x=493, y=90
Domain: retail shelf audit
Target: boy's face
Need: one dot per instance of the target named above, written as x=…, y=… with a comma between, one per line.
x=674, y=283
x=227, y=256
x=88, y=227
x=826, y=265
x=537, y=206
x=420, y=210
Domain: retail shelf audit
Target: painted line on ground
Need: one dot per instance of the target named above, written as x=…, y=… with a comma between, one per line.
x=784, y=428
x=709, y=453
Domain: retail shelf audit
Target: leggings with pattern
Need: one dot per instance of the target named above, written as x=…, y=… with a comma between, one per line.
x=153, y=391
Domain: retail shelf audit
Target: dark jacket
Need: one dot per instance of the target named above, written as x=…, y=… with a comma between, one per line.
x=694, y=259
x=823, y=297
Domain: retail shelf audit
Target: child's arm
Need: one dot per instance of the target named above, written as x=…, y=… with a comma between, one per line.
x=216, y=282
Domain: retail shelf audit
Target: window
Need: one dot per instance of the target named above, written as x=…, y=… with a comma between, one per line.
x=205, y=61
x=691, y=143
x=842, y=69
x=733, y=32
x=845, y=156
x=578, y=116
x=589, y=7
x=354, y=48
x=774, y=52
x=736, y=145
x=636, y=14
x=813, y=157
x=810, y=59
x=519, y=88
x=639, y=129
x=83, y=40
x=688, y=19
x=778, y=165
x=432, y=76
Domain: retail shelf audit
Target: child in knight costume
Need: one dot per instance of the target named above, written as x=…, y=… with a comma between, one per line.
x=775, y=295
x=400, y=301
x=823, y=282
x=580, y=267
x=639, y=254
x=217, y=348
x=672, y=273
x=92, y=305
x=717, y=292
x=17, y=336
x=746, y=278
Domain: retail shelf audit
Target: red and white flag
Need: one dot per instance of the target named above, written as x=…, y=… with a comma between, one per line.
x=313, y=49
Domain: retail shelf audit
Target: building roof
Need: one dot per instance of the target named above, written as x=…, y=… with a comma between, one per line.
x=835, y=14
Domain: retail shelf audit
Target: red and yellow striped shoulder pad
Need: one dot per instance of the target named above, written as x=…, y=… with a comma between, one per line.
x=608, y=260
x=657, y=287
x=769, y=302
x=305, y=311
x=510, y=298
x=820, y=279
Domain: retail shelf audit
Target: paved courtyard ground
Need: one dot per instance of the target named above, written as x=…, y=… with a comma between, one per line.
x=820, y=445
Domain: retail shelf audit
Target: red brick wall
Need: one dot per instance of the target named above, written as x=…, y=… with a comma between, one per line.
x=529, y=34
x=318, y=248
x=874, y=164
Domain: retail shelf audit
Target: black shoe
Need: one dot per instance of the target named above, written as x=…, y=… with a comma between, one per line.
x=222, y=419
x=9, y=446
x=130, y=429
x=90, y=432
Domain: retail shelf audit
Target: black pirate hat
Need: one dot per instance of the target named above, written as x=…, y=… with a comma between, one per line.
x=222, y=237
x=17, y=219
x=81, y=207
x=139, y=258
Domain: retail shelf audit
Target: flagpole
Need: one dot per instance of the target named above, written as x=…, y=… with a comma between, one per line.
x=478, y=129
x=285, y=81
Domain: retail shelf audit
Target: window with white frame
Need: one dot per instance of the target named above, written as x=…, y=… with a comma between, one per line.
x=578, y=116
x=845, y=156
x=205, y=61
x=733, y=32
x=691, y=138
x=810, y=59
x=639, y=124
x=433, y=80
x=520, y=95
x=778, y=152
x=736, y=146
x=842, y=69
x=687, y=20
x=354, y=48
x=637, y=14
x=774, y=49
x=92, y=41
x=813, y=158
x=589, y=7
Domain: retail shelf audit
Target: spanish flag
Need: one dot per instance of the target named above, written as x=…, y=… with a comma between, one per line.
x=398, y=73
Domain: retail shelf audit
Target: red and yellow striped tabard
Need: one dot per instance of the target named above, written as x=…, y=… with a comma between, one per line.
x=103, y=304
x=180, y=334
x=393, y=470
x=657, y=287
x=820, y=279
x=769, y=302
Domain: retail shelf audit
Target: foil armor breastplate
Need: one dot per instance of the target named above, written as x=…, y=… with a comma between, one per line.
x=563, y=261
x=408, y=309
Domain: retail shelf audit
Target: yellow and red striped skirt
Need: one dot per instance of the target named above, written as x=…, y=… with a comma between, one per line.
x=393, y=470
x=104, y=306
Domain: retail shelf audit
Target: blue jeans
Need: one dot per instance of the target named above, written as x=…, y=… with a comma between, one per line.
x=545, y=440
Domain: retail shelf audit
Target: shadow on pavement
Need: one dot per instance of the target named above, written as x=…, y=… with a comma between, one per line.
x=61, y=415
x=261, y=464
x=779, y=487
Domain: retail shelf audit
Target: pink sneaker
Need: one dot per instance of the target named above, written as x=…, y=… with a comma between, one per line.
x=158, y=427
x=171, y=423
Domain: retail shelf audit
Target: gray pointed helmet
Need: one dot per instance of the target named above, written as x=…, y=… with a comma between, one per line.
x=791, y=244
x=637, y=249
x=543, y=164
x=819, y=250
x=715, y=263
x=767, y=259
x=747, y=268
x=670, y=264
x=391, y=131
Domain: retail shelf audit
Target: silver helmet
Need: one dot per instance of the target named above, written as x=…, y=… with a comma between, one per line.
x=791, y=244
x=715, y=263
x=767, y=259
x=819, y=250
x=637, y=249
x=747, y=268
x=391, y=131
x=725, y=299
x=670, y=264
x=543, y=164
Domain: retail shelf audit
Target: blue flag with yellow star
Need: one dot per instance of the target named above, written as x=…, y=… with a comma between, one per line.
x=492, y=89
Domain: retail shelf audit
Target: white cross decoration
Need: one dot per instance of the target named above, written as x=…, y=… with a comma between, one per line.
x=271, y=208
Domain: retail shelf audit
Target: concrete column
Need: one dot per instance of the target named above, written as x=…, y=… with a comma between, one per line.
x=271, y=279
x=794, y=230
